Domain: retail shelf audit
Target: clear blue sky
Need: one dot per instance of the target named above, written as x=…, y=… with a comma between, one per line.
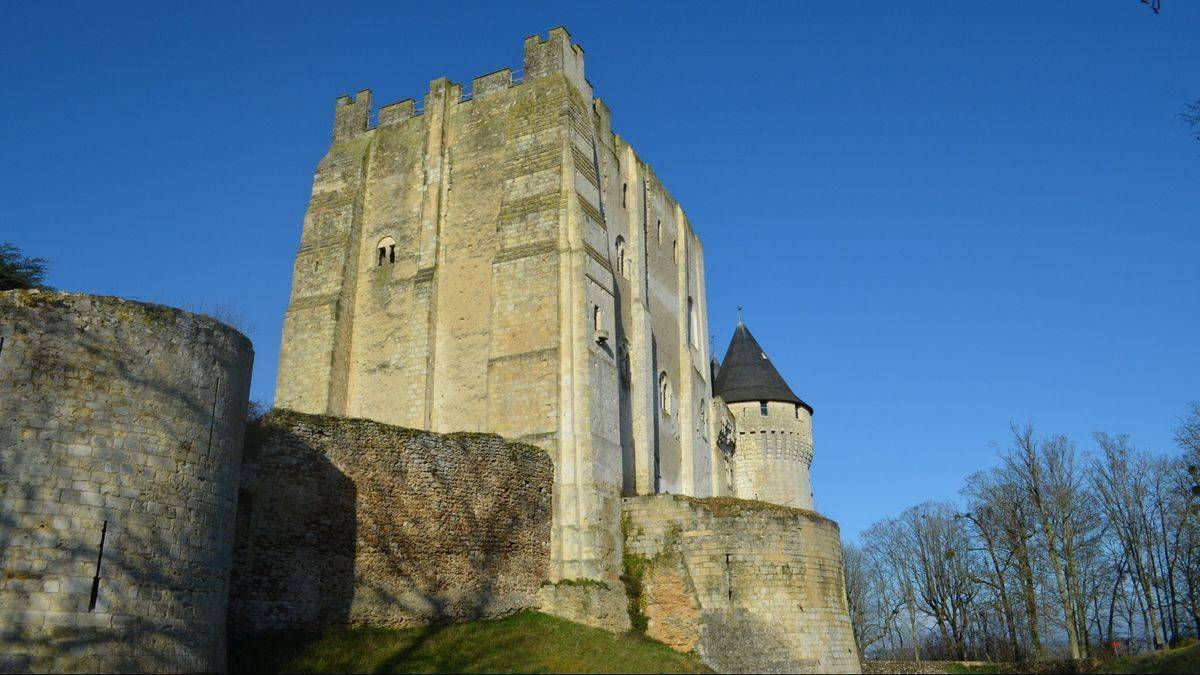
x=940, y=216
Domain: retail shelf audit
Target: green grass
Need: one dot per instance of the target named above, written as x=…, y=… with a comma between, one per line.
x=984, y=669
x=1184, y=660
x=529, y=642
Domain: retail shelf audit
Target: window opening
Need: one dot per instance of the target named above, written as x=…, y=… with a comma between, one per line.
x=693, y=323
x=762, y=408
x=664, y=393
x=96, y=579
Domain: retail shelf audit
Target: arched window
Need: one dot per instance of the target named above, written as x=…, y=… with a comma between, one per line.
x=622, y=262
x=664, y=394
x=597, y=318
x=385, y=252
x=623, y=355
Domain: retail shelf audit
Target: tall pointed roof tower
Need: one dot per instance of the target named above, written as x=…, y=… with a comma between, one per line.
x=747, y=374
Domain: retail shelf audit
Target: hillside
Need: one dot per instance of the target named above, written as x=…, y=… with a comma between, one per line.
x=525, y=642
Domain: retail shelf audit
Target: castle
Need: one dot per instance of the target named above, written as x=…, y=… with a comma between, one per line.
x=504, y=262
x=495, y=262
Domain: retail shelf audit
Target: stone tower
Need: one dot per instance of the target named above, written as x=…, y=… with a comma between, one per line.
x=497, y=259
x=774, y=426
x=121, y=429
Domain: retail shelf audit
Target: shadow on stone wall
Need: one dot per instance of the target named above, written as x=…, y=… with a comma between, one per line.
x=727, y=637
x=93, y=423
x=350, y=522
x=294, y=541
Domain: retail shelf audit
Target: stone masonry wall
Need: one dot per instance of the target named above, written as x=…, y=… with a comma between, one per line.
x=347, y=521
x=752, y=587
x=125, y=419
x=774, y=453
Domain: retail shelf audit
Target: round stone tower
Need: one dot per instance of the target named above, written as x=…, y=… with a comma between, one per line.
x=121, y=428
x=774, y=426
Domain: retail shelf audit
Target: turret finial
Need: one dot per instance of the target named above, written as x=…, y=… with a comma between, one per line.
x=739, y=315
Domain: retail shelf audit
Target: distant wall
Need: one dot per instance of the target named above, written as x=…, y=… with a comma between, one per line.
x=346, y=521
x=751, y=587
x=132, y=415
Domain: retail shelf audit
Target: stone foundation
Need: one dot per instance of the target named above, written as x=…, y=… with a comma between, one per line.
x=750, y=586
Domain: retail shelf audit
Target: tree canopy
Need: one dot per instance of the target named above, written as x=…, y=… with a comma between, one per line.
x=18, y=271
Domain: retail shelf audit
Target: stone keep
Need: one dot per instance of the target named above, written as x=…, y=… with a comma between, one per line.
x=500, y=261
x=123, y=421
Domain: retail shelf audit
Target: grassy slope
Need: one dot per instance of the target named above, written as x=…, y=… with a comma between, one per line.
x=525, y=642
x=1185, y=660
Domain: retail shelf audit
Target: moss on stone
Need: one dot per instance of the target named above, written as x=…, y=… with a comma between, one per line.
x=731, y=506
x=633, y=576
x=592, y=583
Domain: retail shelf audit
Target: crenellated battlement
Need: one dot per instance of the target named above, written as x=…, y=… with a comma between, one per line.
x=543, y=57
x=351, y=115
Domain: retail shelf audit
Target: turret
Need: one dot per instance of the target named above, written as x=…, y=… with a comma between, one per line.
x=774, y=426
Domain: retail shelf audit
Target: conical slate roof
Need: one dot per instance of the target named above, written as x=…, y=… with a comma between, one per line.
x=747, y=374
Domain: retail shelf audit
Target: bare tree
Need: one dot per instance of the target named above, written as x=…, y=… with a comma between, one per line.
x=1104, y=544
x=1191, y=119
x=1045, y=470
x=873, y=609
x=1119, y=478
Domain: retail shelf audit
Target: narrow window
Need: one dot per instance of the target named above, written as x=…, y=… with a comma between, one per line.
x=626, y=373
x=597, y=318
x=693, y=323
x=664, y=394
x=675, y=250
x=1, y=345
x=658, y=231
x=96, y=578
x=382, y=255
x=624, y=189
x=797, y=412
x=762, y=408
x=391, y=253
x=622, y=264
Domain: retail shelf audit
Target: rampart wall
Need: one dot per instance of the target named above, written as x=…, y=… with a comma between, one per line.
x=752, y=587
x=120, y=422
x=346, y=521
